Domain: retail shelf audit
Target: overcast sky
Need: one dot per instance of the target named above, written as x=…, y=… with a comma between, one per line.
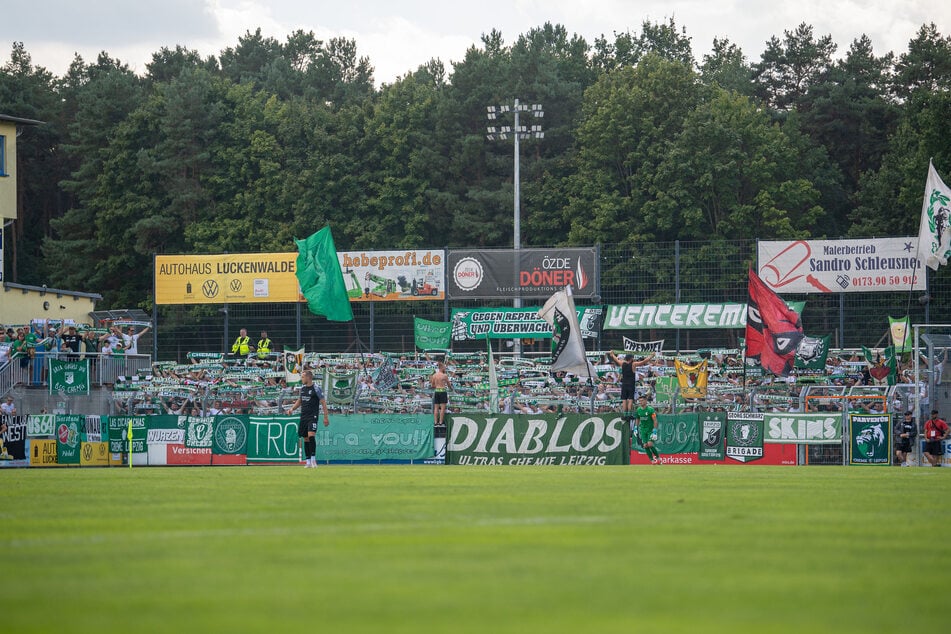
x=399, y=35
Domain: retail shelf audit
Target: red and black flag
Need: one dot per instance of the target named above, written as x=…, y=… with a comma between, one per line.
x=773, y=330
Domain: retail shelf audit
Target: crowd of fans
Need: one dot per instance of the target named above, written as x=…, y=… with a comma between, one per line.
x=251, y=381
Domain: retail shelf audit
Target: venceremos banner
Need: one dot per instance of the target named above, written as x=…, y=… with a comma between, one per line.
x=516, y=323
x=680, y=316
x=575, y=439
x=841, y=266
x=69, y=377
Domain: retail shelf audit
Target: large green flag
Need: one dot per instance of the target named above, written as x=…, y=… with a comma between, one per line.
x=321, y=281
x=432, y=335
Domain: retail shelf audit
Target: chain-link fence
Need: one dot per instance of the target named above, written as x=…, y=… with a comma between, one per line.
x=648, y=273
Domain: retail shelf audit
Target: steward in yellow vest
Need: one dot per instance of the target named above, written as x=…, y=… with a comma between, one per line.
x=242, y=345
x=264, y=345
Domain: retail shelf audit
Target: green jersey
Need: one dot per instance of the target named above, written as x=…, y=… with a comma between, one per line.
x=645, y=415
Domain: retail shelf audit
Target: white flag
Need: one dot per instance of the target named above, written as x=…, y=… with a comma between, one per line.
x=493, y=382
x=934, y=233
x=293, y=364
x=567, y=348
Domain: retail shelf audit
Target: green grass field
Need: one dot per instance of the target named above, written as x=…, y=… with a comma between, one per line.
x=475, y=549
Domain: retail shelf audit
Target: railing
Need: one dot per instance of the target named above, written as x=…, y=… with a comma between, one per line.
x=103, y=370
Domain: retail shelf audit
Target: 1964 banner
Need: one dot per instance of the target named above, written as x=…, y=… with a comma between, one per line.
x=547, y=439
x=529, y=273
x=841, y=266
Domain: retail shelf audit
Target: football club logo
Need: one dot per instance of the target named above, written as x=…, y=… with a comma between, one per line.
x=230, y=436
x=744, y=440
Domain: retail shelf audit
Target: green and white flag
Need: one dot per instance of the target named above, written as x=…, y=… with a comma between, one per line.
x=69, y=377
x=320, y=278
x=934, y=232
x=901, y=334
x=432, y=335
x=812, y=352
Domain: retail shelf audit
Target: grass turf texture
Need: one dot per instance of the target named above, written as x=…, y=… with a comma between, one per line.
x=475, y=549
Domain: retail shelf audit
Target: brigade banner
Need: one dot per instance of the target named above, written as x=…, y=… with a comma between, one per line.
x=744, y=436
x=545, y=439
x=69, y=377
x=374, y=276
x=712, y=426
x=376, y=437
x=229, y=278
x=527, y=273
x=840, y=266
x=803, y=429
x=515, y=323
x=870, y=439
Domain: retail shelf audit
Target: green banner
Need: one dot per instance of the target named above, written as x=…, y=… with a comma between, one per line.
x=69, y=377
x=68, y=430
x=676, y=433
x=744, y=436
x=515, y=323
x=870, y=439
x=803, y=429
x=575, y=439
x=273, y=439
x=712, y=436
x=340, y=389
x=376, y=437
x=432, y=335
x=812, y=352
x=198, y=432
x=230, y=435
x=118, y=440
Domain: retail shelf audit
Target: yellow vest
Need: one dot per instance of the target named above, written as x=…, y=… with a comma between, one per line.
x=241, y=345
x=264, y=346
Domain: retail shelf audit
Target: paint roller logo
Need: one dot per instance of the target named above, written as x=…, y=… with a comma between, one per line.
x=782, y=269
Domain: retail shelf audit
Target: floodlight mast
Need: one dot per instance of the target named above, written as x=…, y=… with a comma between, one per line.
x=517, y=132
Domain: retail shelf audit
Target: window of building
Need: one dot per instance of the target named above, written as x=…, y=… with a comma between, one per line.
x=3, y=155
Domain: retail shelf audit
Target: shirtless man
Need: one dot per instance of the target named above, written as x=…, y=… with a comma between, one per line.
x=439, y=381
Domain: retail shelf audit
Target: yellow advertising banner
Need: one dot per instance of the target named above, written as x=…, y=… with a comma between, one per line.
x=94, y=454
x=43, y=453
x=234, y=278
x=239, y=278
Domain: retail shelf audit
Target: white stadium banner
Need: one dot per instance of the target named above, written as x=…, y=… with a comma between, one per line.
x=865, y=265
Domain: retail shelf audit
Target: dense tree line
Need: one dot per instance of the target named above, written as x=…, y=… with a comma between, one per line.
x=271, y=140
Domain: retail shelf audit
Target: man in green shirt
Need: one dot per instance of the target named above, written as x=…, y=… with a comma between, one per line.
x=646, y=429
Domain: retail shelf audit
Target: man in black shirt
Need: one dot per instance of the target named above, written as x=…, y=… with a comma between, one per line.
x=905, y=432
x=72, y=340
x=310, y=399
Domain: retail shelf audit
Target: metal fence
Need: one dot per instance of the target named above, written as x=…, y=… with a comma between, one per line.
x=654, y=272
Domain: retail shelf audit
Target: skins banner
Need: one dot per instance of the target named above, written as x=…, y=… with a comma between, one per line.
x=575, y=439
x=376, y=437
x=803, y=429
x=744, y=436
x=712, y=437
x=870, y=439
x=526, y=273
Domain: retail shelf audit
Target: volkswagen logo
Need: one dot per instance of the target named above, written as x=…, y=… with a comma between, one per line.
x=210, y=289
